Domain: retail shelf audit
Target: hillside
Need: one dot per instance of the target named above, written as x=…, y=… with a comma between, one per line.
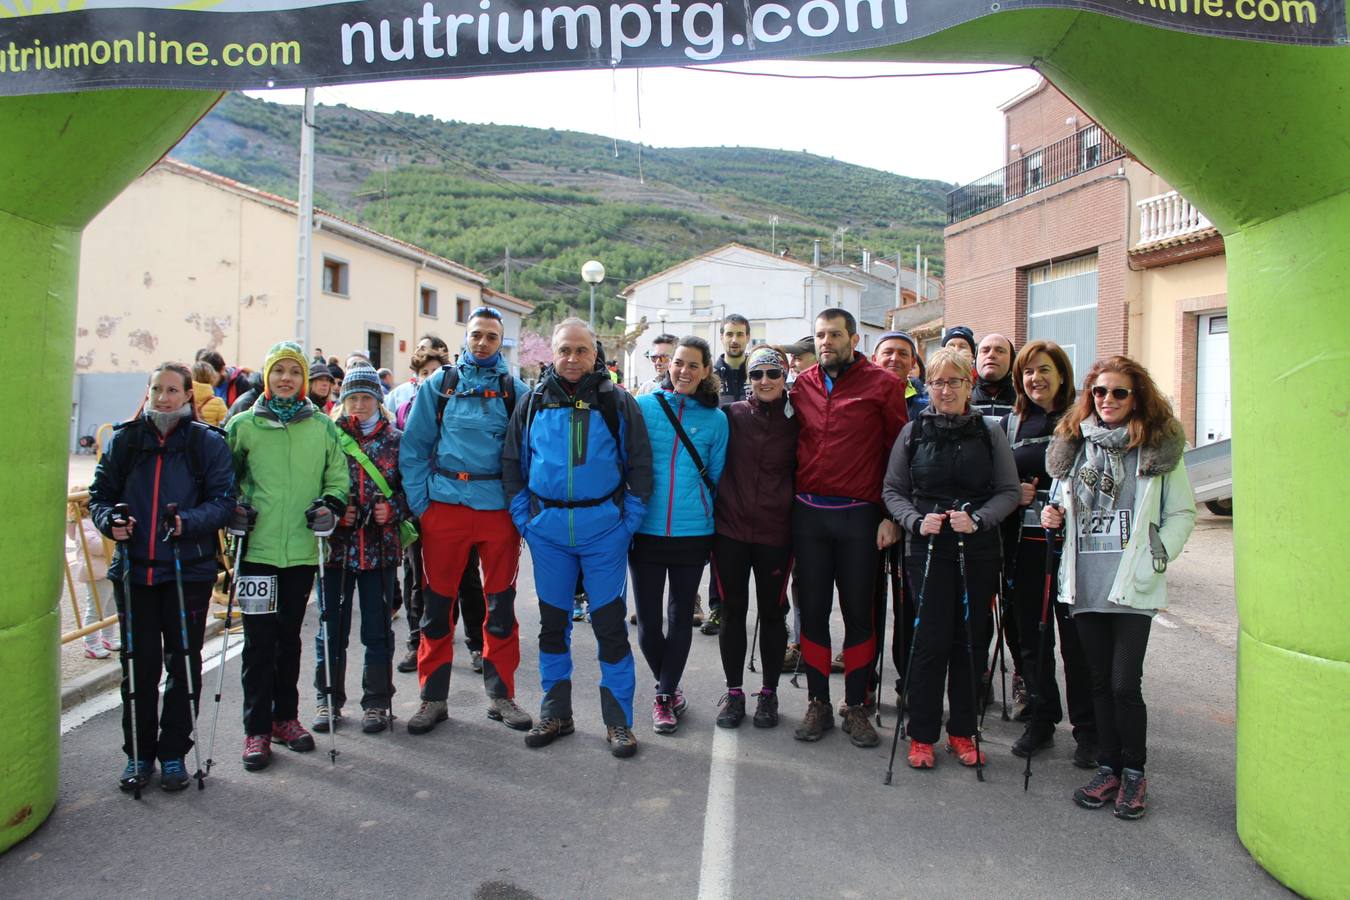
x=558, y=198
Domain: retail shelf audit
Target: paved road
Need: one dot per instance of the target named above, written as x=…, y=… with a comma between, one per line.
x=469, y=811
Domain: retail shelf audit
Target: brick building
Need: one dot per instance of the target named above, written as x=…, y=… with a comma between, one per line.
x=1074, y=241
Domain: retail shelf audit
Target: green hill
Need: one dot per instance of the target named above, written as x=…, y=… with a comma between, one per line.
x=558, y=198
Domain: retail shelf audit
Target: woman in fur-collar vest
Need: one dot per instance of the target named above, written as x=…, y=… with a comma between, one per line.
x=1121, y=488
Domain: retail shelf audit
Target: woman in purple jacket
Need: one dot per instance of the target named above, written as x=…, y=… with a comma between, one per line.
x=754, y=532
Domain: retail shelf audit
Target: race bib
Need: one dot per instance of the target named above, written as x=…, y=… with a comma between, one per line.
x=257, y=594
x=1104, y=531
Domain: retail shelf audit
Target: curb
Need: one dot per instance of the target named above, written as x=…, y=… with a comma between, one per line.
x=106, y=678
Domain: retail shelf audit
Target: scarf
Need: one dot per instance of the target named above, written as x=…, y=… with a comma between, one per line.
x=368, y=425
x=285, y=408
x=1097, y=484
x=165, y=422
x=489, y=363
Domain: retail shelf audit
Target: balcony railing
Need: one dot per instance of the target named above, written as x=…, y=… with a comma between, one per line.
x=1168, y=216
x=1085, y=149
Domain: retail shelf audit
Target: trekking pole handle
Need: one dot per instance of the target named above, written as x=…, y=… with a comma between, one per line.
x=170, y=520
x=121, y=515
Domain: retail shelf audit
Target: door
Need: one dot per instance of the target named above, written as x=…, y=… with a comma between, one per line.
x=1062, y=307
x=1213, y=395
x=373, y=348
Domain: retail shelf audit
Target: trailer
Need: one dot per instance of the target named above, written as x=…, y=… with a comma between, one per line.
x=1210, y=469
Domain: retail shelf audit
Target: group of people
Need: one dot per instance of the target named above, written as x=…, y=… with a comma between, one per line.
x=992, y=491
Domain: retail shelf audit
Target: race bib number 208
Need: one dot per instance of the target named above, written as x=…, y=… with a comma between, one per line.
x=257, y=594
x=1104, y=531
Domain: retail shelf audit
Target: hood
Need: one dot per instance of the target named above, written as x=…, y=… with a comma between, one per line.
x=201, y=392
x=1153, y=460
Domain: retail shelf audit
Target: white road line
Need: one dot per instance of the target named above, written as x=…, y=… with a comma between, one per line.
x=1164, y=621
x=80, y=713
x=719, y=819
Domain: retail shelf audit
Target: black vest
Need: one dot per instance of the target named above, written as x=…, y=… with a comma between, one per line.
x=950, y=466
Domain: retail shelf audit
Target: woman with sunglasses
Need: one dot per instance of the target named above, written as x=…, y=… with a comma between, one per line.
x=1121, y=486
x=1043, y=380
x=689, y=446
x=754, y=533
x=950, y=482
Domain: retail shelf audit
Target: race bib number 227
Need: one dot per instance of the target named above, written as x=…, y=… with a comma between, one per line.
x=1104, y=531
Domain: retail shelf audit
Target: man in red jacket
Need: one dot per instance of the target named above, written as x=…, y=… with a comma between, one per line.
x=850, y=414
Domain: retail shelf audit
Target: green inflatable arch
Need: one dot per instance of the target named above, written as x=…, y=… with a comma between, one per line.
x=1258, y=135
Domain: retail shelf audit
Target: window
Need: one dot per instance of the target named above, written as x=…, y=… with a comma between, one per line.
x=702, y=296
x=334, y=277
x=759, y=333
x=675, y=292
x=1062, y=307
x=1092, y=147
x=462, y=310
x=1035, y=170
x=428, y=307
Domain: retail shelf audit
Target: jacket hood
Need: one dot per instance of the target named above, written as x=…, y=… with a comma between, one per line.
x=201, y=392
x=1153, y=461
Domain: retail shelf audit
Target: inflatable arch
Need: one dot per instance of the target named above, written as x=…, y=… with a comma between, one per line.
x=1257, y=134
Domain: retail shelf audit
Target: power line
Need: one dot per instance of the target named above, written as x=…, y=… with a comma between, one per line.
x=848, y=77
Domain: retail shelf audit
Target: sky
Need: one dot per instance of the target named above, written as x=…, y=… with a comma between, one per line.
x=946, y=127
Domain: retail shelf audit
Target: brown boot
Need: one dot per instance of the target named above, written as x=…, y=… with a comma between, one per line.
x=818, y=720
x=858, y=726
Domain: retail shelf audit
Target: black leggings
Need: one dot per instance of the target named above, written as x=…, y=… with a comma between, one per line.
x=271, y=657
x=1114, y=643
x=836, y=547
x=732, y=563
x=666, y=650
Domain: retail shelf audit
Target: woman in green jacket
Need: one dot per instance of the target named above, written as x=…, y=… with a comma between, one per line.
x=1121, y=488
x=291, y=469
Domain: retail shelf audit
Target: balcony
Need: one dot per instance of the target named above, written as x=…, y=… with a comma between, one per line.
x=1168, y=217
x=1085, y=149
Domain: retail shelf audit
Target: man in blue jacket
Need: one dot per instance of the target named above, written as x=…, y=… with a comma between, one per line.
x=450, y=460
x=577, y=469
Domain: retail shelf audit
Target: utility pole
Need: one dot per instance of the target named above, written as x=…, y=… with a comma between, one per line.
x=918, y=264
x=506, y=287
x=773, y=235
x=303, y=287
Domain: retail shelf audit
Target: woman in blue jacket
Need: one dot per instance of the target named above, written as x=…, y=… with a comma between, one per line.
x=162, y=457
x=676, y=535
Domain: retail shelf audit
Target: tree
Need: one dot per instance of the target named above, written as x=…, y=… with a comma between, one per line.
x=535, y=349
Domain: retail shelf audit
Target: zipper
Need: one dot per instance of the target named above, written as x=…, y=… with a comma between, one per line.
x=674, y=454
x=572, y=454
x=154, y=514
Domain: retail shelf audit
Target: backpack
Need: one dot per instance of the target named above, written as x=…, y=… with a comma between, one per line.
x=193, y=454
x=606, y=402
x=449, y=381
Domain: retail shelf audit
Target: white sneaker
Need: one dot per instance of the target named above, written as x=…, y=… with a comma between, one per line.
x=95, y=651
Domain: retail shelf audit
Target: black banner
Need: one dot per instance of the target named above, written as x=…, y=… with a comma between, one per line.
x=374, y=40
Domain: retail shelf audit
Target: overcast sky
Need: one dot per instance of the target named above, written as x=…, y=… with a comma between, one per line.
x=948, y=128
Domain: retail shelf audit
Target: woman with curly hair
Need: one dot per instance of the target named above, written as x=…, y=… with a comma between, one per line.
x=1121, y=487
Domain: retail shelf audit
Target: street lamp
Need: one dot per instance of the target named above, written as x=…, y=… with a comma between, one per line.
x=593, y=273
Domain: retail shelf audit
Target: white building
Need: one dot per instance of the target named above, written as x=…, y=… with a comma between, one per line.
x=779, y=295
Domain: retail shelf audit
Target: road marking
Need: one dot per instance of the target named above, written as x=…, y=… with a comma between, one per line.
x=719, y=819
x=80, y=713
x=1164, y=621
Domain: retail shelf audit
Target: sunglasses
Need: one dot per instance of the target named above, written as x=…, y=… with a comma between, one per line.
x=771, y=374
x=658, y=357
x=1118, y=393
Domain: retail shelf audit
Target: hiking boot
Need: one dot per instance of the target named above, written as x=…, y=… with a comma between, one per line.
x=819, y=719
x=547, y=730
x=324, y=718
x=731, y=709
x=698, y=612
x=1021, y=700
x=1130, y=799
x=1085, y=754
x=1036, y=737
x=837, y=664
x=921, y=755
x=293, y=735
x=664, y=720
x=409, y=661
x=792, y=657
x=135, y=775
x=678, y=703
x=257, y=751
x=428, y=716
x=713, y=623
x=1103, y=787
x=373, y=720
x=579, y=608
x=857, y=725
x=868, y=702
x=964, y=750
x=505, y=710
x=766, y=709
x=173, y=775
x=622, y=742
x=476, y=661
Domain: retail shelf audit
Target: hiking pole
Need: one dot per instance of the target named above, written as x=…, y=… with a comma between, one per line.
x=121, y=518
x=1038, y=686
x=754, y=640
x=239, y=530
x=970, y=650
x=887, y=560
x=327, y=654
x=1000, y=651
x=170, y=532
x=909, y=663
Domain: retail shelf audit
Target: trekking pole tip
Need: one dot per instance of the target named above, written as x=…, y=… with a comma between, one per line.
x=887, y=779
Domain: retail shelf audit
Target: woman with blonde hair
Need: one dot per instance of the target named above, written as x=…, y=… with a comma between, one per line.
x=1121, y=487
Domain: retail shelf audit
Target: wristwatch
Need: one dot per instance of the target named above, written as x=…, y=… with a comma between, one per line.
x=975, y=517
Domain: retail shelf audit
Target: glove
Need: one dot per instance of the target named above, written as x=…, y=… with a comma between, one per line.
x=634, y=511
x=241, y=520
x=320, y=519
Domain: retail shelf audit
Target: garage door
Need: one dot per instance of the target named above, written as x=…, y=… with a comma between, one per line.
x=1213, y=396
x=1062, y=307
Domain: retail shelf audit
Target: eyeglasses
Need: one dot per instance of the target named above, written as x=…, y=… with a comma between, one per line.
x=943, y=384
x=771, y=374
x=658, y=357
x=1100, y=392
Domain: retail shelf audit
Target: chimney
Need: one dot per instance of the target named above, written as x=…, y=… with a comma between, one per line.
x=815, y=253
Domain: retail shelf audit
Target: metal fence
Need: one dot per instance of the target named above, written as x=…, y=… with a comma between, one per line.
x=91, y=554
x=1085, y=149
